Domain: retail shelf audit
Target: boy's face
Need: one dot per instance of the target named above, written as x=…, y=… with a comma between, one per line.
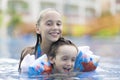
x=65, y=58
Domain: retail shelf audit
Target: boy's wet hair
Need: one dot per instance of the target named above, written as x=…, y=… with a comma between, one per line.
x=54, y=47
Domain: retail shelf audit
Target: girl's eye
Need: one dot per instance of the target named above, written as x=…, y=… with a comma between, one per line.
x=59, y=24
x=49, y=23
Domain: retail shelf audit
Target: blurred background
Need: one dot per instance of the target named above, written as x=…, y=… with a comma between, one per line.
x=95, y=23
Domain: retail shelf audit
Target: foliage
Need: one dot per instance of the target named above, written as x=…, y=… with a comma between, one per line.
x=15, y=9
x=74, y=30
x=105, y=25
x=108, y=32
x=15, y=20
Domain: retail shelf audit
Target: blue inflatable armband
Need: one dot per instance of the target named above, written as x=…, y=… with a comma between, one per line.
x=40, y=66
x=86, y=62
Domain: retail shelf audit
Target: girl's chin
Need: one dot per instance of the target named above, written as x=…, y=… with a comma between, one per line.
x=54, y=39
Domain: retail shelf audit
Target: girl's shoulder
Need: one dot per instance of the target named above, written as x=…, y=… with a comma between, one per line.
x=25, y=51
x=28, y=50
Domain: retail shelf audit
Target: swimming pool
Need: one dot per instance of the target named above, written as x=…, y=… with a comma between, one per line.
x=108, y=69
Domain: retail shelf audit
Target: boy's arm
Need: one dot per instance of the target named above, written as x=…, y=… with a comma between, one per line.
x=40, y=66
x=86, y=60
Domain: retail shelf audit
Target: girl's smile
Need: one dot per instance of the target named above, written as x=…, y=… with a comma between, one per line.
x=54, y=33
x=51, y=26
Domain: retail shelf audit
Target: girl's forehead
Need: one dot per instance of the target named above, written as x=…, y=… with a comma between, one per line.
x=52, y=15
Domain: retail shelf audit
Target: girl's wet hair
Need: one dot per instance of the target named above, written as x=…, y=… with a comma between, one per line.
x=54, y=47
x=39, y=38
x=42, y=14
x=37, y=42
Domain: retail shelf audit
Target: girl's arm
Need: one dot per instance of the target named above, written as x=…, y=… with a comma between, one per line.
x=28, y=64
x=24, y=53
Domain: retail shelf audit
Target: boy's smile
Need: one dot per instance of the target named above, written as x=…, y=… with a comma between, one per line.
x=67, y=69
x=65, y=58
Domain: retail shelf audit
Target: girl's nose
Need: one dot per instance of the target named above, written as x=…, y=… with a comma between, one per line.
x=55, y=26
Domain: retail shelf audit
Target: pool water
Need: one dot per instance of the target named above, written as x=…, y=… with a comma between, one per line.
x=107, y=49
x=108, y=69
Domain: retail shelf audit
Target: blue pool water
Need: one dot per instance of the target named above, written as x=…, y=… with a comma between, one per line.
x=108, y=69
x=107, y=49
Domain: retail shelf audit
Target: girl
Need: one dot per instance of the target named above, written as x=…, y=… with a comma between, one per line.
x=49, y=30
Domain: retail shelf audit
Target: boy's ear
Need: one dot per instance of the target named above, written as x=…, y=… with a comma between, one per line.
x=52, y=60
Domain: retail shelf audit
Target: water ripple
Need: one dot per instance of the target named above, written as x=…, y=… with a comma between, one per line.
x=108, y=69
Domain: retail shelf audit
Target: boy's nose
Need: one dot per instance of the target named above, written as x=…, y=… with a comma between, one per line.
x=69, y=63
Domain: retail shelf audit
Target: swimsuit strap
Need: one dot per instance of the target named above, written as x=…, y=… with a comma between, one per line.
x=39, y=52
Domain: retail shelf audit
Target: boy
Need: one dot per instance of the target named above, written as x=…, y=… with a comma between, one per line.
x=61, y=59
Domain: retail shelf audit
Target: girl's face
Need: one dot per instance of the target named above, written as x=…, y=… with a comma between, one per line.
x=65, y=59
x=51, y=26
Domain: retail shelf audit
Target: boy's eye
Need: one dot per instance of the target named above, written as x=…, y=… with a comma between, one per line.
x=64, y=58
x=73, y=59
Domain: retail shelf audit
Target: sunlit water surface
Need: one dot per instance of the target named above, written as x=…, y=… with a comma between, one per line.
x=108, y=68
